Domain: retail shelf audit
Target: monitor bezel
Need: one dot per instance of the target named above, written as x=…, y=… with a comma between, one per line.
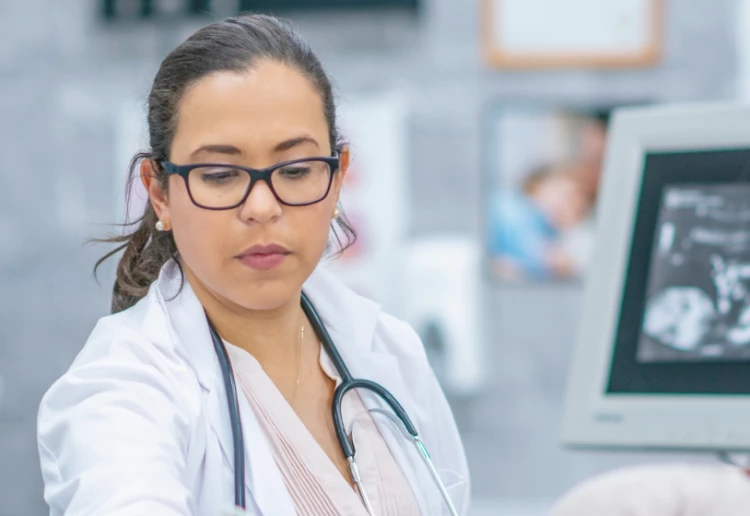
x=593, y=417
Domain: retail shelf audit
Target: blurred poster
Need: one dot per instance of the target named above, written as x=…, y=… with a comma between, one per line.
x=374, y=197
x=543, y=174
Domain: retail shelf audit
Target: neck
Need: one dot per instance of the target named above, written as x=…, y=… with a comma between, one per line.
x=271, y=336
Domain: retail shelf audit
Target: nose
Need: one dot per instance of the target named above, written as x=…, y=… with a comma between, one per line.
x=261, y=205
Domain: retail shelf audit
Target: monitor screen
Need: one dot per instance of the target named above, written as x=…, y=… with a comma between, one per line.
x=697, y=304
x=684, y=325
x=662, y=358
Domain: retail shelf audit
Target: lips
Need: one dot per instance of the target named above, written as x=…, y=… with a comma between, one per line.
x=264, y=257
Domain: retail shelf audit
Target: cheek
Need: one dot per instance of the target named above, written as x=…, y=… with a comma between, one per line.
x=196, y=231
x=313, y=225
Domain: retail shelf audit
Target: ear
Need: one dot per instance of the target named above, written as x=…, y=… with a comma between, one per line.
x=156, y=192
x=344, y=157
x=344, y=160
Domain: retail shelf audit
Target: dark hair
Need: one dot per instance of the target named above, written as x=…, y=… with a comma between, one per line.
x=233, y=44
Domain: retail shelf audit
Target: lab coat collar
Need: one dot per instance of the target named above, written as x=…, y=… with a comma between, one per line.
x=349, y=318
x=190, y=329
x=351, y=321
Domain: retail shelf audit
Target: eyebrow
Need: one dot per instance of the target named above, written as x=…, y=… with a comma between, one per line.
x=217, y=149
x=231, y=150
x=293, y=142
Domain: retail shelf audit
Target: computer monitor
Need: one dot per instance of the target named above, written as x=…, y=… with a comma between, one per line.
x=662, y=359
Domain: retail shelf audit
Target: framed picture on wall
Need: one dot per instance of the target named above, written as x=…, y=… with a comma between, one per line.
x=541, y=173
x=572, y=33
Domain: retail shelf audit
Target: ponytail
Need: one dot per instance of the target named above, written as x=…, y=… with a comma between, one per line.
x=146, y=250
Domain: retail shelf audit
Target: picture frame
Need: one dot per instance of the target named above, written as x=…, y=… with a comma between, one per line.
x=541, y=167
x=572, y=34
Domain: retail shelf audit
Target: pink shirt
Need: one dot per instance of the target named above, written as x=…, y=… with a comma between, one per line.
x=313, y=481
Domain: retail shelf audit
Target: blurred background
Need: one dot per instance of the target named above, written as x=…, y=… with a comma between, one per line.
x=478, y=128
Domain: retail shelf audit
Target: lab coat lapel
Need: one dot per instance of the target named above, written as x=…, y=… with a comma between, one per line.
x=265, y=488
x=384, y=370
x=264, y=485
x=263, y=481
x=351, y=320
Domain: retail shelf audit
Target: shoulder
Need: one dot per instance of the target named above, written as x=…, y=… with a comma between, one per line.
x=365, y=329
x=388, y=350
x=512, y=204
x=138, y=336
x=401, y=340
x=130, y=355
x=429, y=409
x=122, y=415
x=363, y=319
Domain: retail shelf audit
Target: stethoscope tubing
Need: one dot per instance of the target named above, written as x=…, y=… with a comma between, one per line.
x=234, y=416
x=347, y=383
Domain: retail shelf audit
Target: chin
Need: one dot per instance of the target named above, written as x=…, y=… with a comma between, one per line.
x=263, y=295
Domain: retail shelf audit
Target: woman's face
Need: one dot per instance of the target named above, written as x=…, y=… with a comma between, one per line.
x=268, y=115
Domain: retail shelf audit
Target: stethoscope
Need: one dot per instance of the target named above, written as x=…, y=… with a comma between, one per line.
x=401, y=419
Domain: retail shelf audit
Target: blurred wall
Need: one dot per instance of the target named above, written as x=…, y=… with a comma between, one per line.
x=63, y=78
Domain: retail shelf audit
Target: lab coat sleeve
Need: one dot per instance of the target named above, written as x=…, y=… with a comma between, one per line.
x=456, y=474
x=436, y=423
x=113, y=436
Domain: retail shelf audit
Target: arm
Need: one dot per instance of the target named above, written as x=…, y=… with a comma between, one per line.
x=113, y=439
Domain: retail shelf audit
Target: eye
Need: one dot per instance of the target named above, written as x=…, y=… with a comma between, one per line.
x=218, y=175
x=296, y=171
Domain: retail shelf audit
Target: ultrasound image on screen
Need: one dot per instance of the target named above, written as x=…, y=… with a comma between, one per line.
x=698, y=295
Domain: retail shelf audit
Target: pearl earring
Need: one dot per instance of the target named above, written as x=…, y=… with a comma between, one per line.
x=336, y=213
x=159, y=226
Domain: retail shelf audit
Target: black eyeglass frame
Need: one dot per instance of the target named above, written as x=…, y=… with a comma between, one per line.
x=255, y=176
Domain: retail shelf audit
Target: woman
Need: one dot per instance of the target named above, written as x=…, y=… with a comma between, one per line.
x=140, y=423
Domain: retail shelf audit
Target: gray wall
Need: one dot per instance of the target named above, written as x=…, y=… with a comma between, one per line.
x=62, y=77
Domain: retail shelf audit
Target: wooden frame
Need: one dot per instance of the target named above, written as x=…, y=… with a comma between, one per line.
x=498, y=57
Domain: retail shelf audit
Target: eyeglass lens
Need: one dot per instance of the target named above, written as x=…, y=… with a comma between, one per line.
x=220, y=186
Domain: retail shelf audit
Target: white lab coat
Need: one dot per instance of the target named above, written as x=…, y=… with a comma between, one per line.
x=140, y=425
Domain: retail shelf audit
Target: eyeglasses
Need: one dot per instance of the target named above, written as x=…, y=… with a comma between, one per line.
x=299, y=182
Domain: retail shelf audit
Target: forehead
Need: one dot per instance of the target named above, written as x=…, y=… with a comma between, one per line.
x=252, y=110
